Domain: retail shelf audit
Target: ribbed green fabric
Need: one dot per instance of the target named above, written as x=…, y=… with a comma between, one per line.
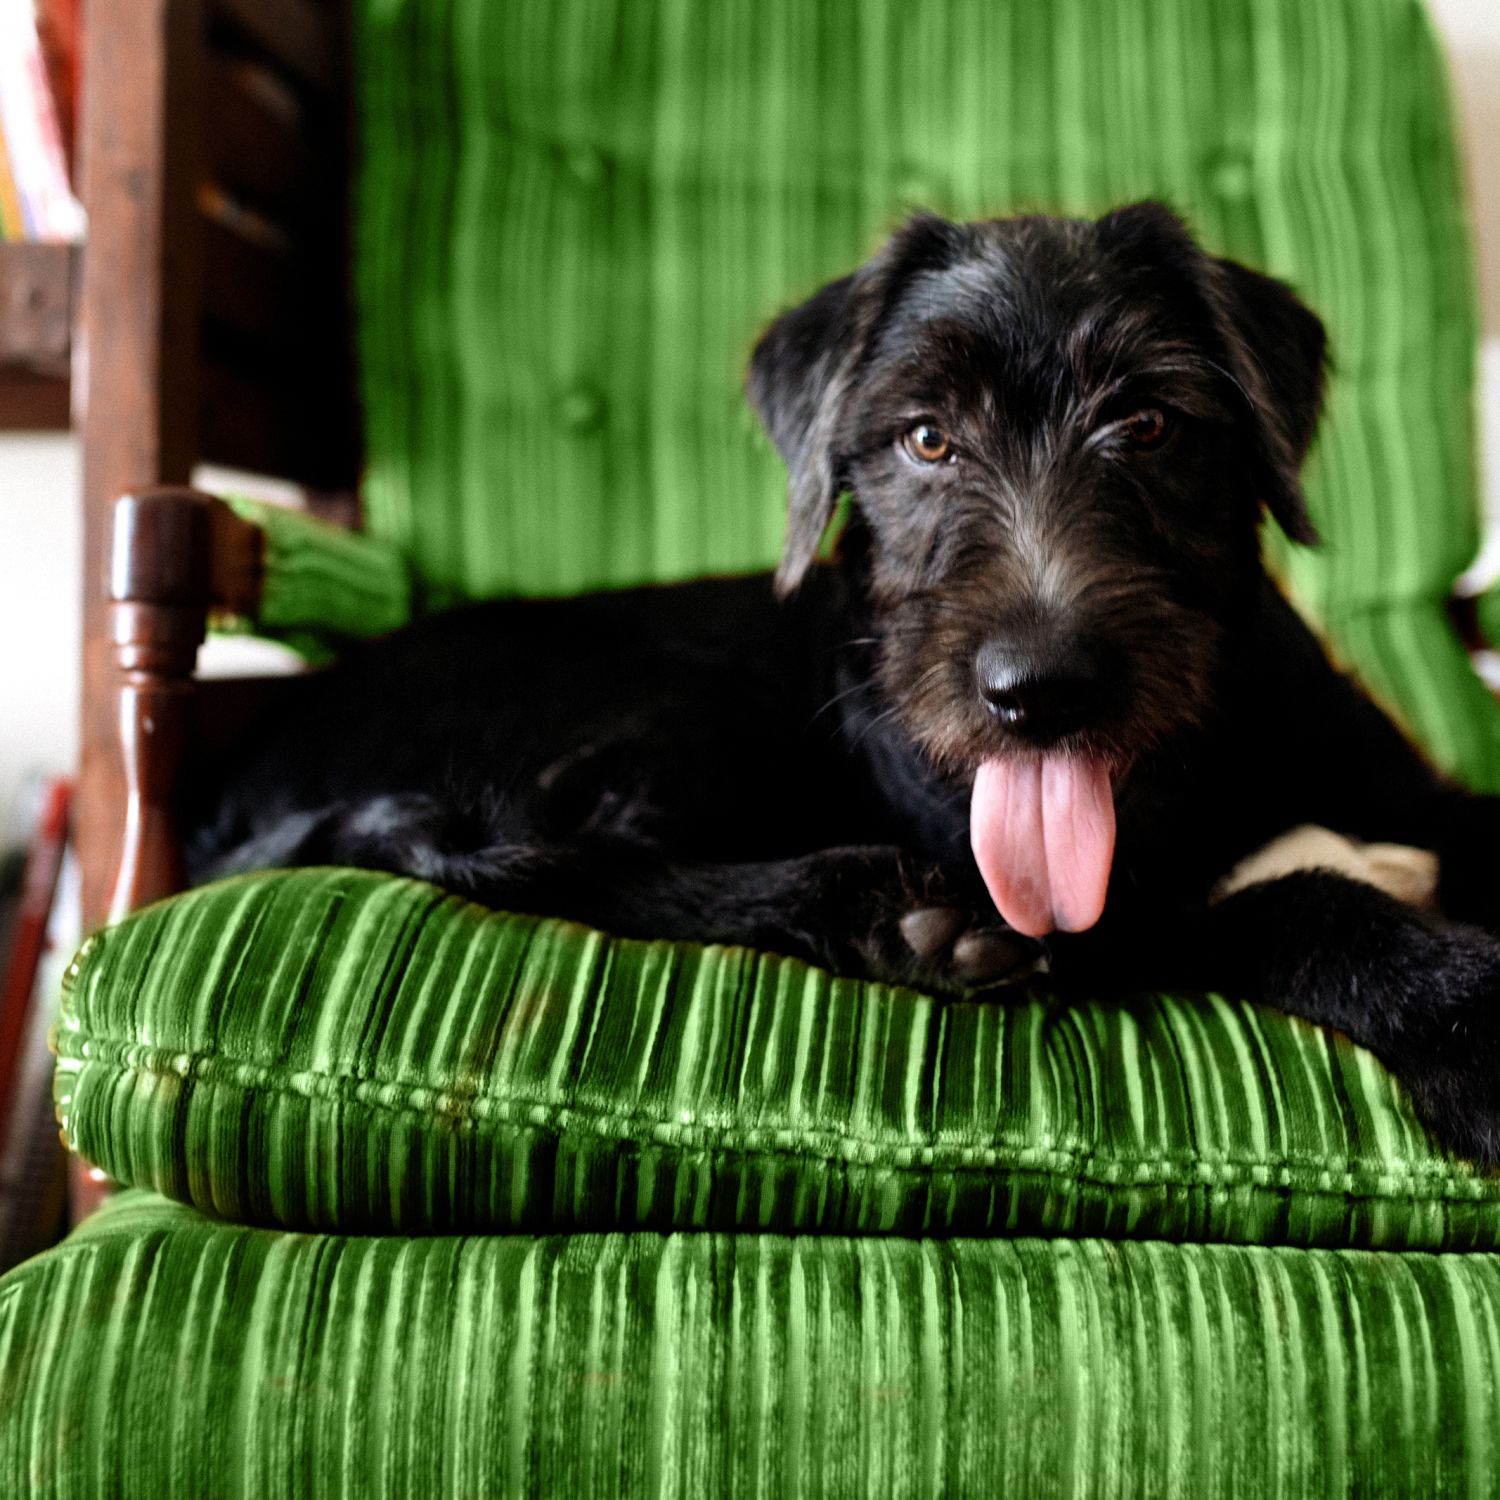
x=337, y=1049
x=162, y=1356
x=323, y=581
x=1412, y=661
x=574, y=218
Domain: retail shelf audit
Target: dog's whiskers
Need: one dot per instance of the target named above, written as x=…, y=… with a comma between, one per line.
x=837, y=698
x=874, y=722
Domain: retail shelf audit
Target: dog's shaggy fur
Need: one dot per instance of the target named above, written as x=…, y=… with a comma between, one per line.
x=1059, y=438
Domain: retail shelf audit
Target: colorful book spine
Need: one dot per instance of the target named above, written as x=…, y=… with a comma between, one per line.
x=28, y=939
x=33, y=1173
x=12, y=225
x=57, y=26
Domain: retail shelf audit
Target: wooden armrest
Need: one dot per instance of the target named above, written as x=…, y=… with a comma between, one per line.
x=178, y=546
x=177, y=556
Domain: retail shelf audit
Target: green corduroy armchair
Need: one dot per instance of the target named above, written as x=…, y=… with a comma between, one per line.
x=431, y=1201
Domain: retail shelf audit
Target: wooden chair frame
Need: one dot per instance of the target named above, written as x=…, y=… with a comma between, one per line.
x=214, y=327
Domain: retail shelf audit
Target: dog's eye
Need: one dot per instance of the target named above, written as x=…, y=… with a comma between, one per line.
x=927, y=444
x=1145, y=429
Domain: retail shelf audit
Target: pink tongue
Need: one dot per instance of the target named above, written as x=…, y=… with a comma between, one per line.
x=1043, y=834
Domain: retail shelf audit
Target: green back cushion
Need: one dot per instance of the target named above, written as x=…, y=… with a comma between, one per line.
x=159, y=1354
x=332, y=1048
x=575, y=217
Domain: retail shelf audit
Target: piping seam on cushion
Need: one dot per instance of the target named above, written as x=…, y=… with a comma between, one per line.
x=1316, y=1176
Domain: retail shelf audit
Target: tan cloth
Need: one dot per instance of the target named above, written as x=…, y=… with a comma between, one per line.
x=1410, y=875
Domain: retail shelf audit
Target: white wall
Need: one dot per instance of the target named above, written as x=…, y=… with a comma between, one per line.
x=40, y=567
x=1471, y=29
x=39, y=535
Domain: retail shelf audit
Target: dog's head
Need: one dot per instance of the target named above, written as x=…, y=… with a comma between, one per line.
x=1059, y=437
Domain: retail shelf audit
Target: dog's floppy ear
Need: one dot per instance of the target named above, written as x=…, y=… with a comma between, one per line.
x=1275, y=343
x=1277, y=352
x=804, y=366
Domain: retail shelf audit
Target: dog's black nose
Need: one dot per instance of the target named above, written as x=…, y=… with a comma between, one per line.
x=1041, y=691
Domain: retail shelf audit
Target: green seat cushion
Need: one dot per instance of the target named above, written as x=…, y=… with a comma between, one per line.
x=573, y=219
x=159, y=1355
x=341, y=1049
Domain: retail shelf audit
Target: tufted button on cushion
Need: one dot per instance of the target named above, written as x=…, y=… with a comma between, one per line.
x=917, y=186
x=580, y=409
x=586, y=165
x=1230, y=175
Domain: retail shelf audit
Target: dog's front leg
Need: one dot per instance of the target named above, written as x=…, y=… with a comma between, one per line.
x=1421, y=992
x=861, y=911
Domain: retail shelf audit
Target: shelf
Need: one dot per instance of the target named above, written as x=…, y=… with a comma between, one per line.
x=37, y=287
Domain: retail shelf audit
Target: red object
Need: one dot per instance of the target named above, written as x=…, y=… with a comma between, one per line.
x=43, y=864
x=57, y=27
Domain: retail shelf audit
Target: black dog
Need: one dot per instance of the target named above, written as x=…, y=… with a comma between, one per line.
x=1046, y=675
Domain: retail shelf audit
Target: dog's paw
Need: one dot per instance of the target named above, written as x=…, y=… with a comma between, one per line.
x=952, y=950
x=877, y=914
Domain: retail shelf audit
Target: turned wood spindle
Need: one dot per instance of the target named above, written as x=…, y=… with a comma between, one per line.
x=176, y=554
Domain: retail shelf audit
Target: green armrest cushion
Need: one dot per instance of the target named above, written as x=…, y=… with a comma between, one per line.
x=336, y=1048
x=158, y=1353
x=323, y=583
